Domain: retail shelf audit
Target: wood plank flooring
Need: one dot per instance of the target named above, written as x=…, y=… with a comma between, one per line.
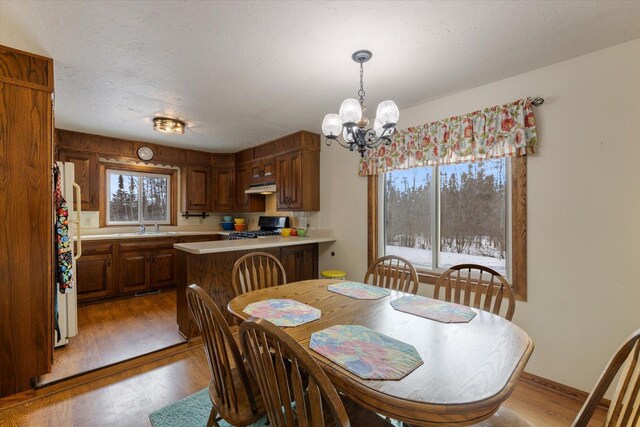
x=113, y=331
x=127, y=398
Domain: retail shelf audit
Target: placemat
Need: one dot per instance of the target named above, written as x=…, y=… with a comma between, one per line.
x=358, y=290
x=283, y=312
x=440, y=311
x=366, y=353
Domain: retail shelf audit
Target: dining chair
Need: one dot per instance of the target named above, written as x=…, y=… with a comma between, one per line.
x=476, y=286
x=393, y=272
x=256, y=270
x=233, y=392
x=296, y=391
x=624, y=409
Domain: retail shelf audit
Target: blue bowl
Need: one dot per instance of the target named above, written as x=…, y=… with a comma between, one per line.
x=227, y=226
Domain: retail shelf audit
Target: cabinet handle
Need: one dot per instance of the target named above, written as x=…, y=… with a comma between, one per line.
x=108, y=262
x=148, y=259
x=92, y=199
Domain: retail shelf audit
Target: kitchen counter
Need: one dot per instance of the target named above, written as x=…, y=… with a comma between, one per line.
x=151, y=234
x=201, y=248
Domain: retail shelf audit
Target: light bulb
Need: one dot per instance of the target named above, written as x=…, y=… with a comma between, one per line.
x=377, y=127
x=350, y=111
x=388, y=113
x=331, y=125
x=347, y=136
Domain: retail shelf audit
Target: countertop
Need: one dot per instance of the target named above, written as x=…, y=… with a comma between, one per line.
x=200, y=248
x=118, y=236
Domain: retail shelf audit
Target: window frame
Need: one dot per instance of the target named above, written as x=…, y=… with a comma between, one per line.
x=516, y=235
x=139, y=170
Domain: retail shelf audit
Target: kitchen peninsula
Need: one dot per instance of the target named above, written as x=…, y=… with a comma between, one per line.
x=209, y=264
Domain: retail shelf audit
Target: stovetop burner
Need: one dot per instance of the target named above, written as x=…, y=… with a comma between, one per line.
x=252, y=234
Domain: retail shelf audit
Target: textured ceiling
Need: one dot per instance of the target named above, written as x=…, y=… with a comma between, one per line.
x=241, y=73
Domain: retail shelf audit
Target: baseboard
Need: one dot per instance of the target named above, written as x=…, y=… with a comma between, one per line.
x=562, y=389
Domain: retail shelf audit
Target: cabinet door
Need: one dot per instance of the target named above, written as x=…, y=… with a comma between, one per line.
x=163, y=268
x=223, y=189
x=134, y=271
x=308, y=262
x=289, y=258
x=300, y=262
x=198, y=189
x=243, y=178
x=94, y=277
x=86, y=176
x=289, y=175
x=263, y=171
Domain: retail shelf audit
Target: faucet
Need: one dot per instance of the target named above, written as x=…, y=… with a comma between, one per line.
x=157, y=227
x=143, y=229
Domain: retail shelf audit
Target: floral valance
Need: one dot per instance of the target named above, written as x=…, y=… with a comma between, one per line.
x=503, y=130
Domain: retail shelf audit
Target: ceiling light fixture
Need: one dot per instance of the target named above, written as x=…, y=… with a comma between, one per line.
x=352, y=123
x=168, y=125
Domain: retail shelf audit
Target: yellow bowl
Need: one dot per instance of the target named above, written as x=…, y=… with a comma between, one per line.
x=239, y=220
x=286, y=232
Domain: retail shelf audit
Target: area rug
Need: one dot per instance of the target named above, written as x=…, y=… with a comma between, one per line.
x=192, y=411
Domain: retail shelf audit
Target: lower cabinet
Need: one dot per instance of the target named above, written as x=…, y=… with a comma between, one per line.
x=300, y=262
x=109, y=269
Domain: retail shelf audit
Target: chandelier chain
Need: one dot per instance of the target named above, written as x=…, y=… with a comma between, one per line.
x=361, y=91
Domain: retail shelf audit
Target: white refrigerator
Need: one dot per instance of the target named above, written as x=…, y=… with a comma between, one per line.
x=67, y=310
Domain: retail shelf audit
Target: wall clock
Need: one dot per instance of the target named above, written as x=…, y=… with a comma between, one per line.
x=145, y=153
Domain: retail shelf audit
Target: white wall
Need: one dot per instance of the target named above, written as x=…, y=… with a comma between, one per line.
x=583, y=207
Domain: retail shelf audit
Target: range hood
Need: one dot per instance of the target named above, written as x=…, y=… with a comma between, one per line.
x=266, y=188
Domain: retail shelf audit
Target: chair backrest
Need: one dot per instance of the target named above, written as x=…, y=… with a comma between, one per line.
x=222, y=354
x=286, y=373
x=476, y=286
x=257, y=270
x=393, y=272
x=624, y=410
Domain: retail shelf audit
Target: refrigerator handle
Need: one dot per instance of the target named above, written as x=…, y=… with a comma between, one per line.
x=77, y=221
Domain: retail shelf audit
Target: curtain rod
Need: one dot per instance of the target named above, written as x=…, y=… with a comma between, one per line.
x=537, y=101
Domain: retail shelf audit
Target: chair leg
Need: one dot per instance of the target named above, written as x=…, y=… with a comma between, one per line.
x=212, y=419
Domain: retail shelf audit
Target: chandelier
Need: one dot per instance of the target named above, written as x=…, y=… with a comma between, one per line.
x=352, y=123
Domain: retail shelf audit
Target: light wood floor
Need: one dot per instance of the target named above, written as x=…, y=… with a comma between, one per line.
x=118, y=330
x=127, y=398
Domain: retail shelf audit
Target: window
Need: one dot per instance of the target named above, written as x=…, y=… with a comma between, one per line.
x=440, y=216
x=135, y=197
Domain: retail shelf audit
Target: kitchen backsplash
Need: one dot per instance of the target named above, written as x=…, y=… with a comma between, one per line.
x=91, y=220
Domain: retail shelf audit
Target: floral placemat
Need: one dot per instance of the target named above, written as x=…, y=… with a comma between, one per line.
x=358, y=290
x=440, y=311
x=366, y=353
x=283, y=312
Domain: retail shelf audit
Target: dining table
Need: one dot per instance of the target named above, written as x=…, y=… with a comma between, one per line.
x=468, y=370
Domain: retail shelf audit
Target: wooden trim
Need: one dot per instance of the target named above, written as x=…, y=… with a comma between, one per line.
x=518, y=229
x=45, y=61
x=562, y=389
x=173, y=173
x=372, y=219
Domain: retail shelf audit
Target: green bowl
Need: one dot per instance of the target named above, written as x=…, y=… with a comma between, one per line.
x=302, y=232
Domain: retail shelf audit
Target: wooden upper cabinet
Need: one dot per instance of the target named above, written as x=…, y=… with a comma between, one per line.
x=263, y=171
x=223, y=189
x=298, y=180
x=246, y=202
x=86, y=171
x=196, y=189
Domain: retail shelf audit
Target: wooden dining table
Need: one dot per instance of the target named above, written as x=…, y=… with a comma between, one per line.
x=469, y=368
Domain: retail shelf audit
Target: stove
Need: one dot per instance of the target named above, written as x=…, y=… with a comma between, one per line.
x=269, y=226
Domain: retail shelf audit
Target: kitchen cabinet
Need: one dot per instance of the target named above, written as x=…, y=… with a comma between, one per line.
x=298, y=180
x=224, y=189
x=26, y=235
x=95, y=271
x=86, y=176
x=112, y=268
x=263, y=171
x=196, y=189
x=300, y=262
x=246, y=202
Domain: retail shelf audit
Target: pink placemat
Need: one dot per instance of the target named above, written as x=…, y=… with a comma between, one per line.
x=440, y=311
x=358, y=290
x=366, y=353
x=283, y=312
